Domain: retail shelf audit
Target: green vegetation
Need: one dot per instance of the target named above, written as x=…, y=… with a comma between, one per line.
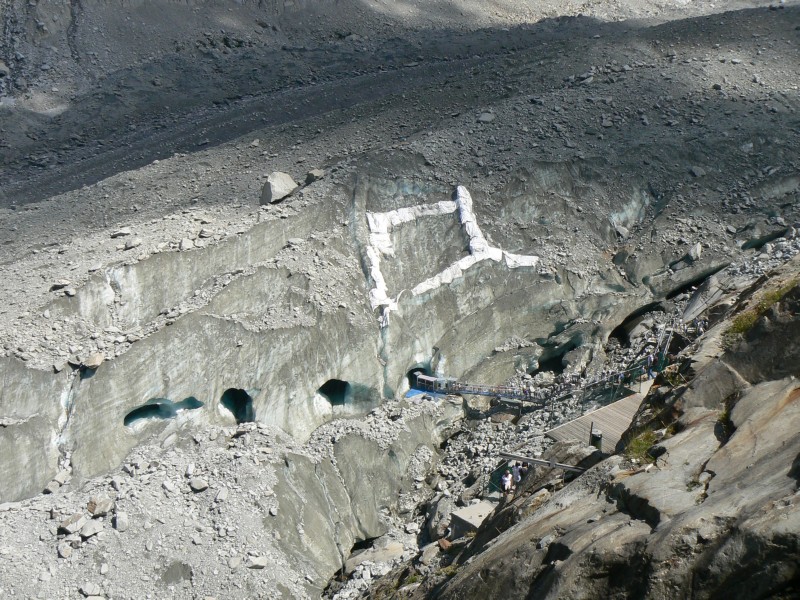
x=449, y=570
x=744, y=321
x=412, y=579
x=638, y=447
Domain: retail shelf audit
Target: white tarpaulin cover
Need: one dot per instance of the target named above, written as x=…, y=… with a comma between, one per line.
x=380, y=244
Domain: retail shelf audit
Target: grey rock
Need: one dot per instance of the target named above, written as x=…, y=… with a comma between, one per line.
x=72, y=524
x=134, y=243
x=429, y=553
x=186, y=244
x=122, y=232
x=314, y=175
x=64, y=550
x=279, y=185
x=697, y=171
x=121, y=522
x=90, y=589
x=62, y=477
x=198, y=484
x=257, y=562
x=90, y=529
x=51, y=488
x=439, y=516
x=94, y=360
x=412, y=528
x=486, y=117
x=688, y=259
x=99, y=506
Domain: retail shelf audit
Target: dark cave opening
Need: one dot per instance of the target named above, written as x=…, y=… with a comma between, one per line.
x=359, y=547
x=622, y=331
x=336, y=391
x=239, y=403
x=554, y=364
x=758, y=243
x=411, y=376
x=160, y=408
x=689, y=286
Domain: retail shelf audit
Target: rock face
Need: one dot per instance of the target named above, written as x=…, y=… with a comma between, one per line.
x=716, y=514
x=29, y=427
x=291, y=510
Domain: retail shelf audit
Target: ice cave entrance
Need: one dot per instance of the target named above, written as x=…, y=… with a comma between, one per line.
x=160, y=408
x=240, y=404
x=411, y=376
x=336, y=391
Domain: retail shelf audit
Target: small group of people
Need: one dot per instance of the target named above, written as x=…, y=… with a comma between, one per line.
x=513, y=476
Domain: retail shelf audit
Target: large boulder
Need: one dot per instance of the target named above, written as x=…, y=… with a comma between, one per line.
x=278, y=186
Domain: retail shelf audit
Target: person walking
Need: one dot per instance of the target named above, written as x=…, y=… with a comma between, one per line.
x=507, y=482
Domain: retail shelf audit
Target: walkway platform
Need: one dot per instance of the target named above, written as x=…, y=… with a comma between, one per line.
x=612, y=420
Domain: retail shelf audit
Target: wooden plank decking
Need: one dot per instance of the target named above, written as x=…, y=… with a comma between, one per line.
x=612, y=420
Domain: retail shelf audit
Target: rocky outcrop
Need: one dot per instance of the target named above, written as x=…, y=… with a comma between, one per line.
x=709, y=510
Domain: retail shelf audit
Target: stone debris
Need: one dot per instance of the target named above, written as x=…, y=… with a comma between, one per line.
x=100, y=506
x=64, y=550
x=257, y=562
x=122, y=232
x=91, y=528
x=73, y=524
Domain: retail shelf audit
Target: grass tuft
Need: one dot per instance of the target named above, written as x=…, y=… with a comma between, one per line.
x=745, y=321
x=638, y=447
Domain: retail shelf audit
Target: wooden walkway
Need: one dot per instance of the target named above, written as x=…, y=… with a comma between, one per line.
x=612, y=420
